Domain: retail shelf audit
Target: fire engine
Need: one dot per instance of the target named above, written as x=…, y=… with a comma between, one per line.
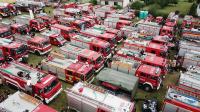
x=167, y=31
x=37, y=45
x=13, y=50
x=73, y=12
x=47, y=20
x=187, y=22
x=70, y=5
x=68, y=70
x=181, y=99
x=86, y=8
x=82, y=55
x=191, y=58
x=191, y=34
x=90, y=22
x=172, y=20
x=86, y=97
x=125, y=16
x=159, y=19
x=142, y=71
x=146, y=58
x=149, y=28
x=4, y=11
x=20, y=28
x=187, y=46
x=5, y=32
x=54, y=37
x=93, y=44
x=66, y=32
x=13, y=10
x=118, y=33
x=190, y=79
x=128, y=30
x=116, y=23
x=34, y=24
x=109, y=37
x=150, y=47
x=165, y=40
x=43, y=86
x=94, y=18
x=20, y=102
x=103, y=11
x=73, y=22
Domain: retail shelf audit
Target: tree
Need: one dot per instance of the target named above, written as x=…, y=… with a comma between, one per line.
x=137, y=5
x=94, y=2
x=193, y=9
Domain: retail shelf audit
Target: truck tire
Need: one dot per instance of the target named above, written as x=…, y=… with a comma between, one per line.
x=147, y=88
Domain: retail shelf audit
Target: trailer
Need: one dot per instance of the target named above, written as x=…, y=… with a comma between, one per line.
x=188, y=46
x=182, y=100
x=84, y=97
x=191, y=58
x=68, y=70
x=22, y=102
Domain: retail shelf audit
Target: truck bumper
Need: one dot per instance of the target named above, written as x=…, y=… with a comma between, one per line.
x=42, y=53
x=55, y=95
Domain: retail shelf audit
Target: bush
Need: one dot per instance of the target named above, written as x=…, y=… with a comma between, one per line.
x=148, y=2
x=154, y=10
x=190, y=1
x=163, y=3
x=193, y=9
x=137, y=5
x=94, y=2
x=118, y=7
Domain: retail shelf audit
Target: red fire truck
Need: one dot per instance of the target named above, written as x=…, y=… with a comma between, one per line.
x=146, y=58
x=165, y=40
x=4, y=11
x=125, y=16
x=66, y=32
x=116, y=23
x=159, y=19
x=5, y=32
x=68, y=70
x=168, y=31
x=150, y=77
x=118, y=33
x=43, y=86
x=12, y=50
x=86, y=8
x=47, y=20
x=82, y=55
x=54, y=38
x=150, y=47
x=93, y=44
x=20, y=28
x=20, y=102
x=37, y=45
x=109, y=37
x=73, y=12
x=34, y=24
x=179, y=99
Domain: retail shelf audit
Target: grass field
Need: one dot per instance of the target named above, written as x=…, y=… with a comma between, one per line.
x=182, y=6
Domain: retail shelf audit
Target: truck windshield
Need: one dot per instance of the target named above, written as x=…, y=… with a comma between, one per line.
x=5, y=34
x=22, y=29
x=45, y=43
x=5, y=10
x=99, y=59
x=50, y=86
x=21, y=49
x=60, y=38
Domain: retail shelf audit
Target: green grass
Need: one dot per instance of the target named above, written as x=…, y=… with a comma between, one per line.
x=182, y=6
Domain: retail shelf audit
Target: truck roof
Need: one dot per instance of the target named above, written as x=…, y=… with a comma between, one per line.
x=183, y=98
x=158, y=46
x=191, y=77
x=37, y=39
x=104, y=28
x=120, y=79
x=14, y=68
x=72, y=10
x=4, y=29
x=4, y=41
x=159, y=38
x=17, y=25
x=102, y=98
x=154, y=71
x=156, y=60
x=91, y=54
x=21, y=102
x=134, y=41
x=48, y=33
x=143, y=22
x=168, y=28
x=194, y=55
x=97, y=33
x=63, y=27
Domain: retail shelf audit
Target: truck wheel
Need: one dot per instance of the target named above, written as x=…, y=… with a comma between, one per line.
x=37, y=53
x=147, y=88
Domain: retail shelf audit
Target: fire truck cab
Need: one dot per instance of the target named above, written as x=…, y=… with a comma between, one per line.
x=168, y=31
x=109, y=37
x=5, y=32
x=47, y=20
x=82, y=55
x=13, y=50
x=38, y=84
x=149, y=76
x=171, y=22
x=13, y=10
x=66, y=32
x=93, y=44
x=54, y=37
x=68, y=70
x=18, y=28
x=4, y=11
